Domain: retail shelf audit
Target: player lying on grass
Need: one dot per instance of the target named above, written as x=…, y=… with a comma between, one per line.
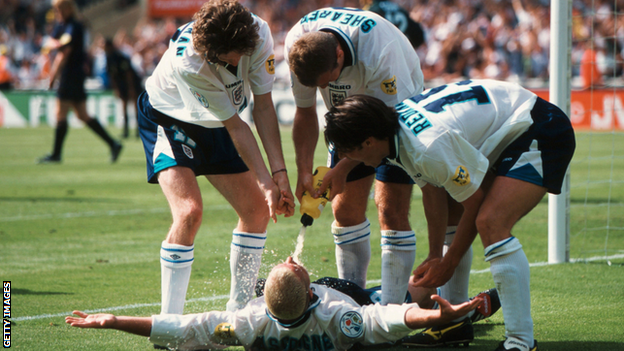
x=495, y=147
x=292, y=314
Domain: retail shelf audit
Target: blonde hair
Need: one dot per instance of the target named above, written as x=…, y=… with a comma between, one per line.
x=285, y=293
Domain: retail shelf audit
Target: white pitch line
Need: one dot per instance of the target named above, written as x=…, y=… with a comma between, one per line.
x=572, y=260
x=116, y=308
x=220, y=297
x=110, y=213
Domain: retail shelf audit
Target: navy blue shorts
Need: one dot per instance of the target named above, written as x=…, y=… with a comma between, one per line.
x=385, y=172
x=71, y=86
x=169, y=142
x=542, y=154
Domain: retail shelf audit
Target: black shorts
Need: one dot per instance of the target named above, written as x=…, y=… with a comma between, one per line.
x=71, y=86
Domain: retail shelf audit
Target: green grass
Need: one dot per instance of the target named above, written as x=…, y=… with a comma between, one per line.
x=86, y=235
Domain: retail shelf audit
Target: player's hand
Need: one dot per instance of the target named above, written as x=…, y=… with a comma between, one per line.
x=450, y=312
x=304, y=183
x=433, y=273
x=272, y=197
x=85, y=320
x=286, y=204
x=421, y=270
x=336, y=178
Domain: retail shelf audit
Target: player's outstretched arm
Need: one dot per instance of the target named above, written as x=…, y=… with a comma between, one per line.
x=416, y=318
x=268, y=130
x=135, y=325
x=305, y=135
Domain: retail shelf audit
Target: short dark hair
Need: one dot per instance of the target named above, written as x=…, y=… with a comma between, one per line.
x=355, y=119
x=224, y=26
x=311, y=55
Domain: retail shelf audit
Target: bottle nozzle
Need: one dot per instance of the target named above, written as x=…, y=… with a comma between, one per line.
x=306, y=220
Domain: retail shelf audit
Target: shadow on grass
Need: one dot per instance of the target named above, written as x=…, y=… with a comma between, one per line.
x=33, y=292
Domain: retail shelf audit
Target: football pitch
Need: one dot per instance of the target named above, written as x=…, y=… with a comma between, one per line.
x=86, y=235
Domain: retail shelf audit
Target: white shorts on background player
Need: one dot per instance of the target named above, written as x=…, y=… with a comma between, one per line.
x=186, y=87
x=379, y=59
x=333, y=321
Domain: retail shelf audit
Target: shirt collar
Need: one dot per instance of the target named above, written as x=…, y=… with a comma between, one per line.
x=350, y=58
x=315, y=302
x=394, y=148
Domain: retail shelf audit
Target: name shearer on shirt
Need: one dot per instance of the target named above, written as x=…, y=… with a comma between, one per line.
x=345, y=18
x=6, y=314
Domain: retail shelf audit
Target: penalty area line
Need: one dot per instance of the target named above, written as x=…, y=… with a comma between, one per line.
x=111, y=213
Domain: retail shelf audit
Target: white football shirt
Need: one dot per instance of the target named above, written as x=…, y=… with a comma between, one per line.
x=334, y=321
x=186, y=87
x=379, y=59
x=451, y=135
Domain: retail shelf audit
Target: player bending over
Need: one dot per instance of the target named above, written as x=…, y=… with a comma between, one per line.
x=495, y=147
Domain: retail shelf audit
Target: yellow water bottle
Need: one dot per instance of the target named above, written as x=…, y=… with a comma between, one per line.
x=310, y=207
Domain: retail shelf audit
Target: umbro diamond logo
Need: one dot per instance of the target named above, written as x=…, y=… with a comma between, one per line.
x=175, y=257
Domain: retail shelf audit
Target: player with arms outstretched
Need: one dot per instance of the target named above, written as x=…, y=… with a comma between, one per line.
x=292, y=315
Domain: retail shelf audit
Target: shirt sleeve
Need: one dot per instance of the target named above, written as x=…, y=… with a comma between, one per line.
x=186, y=332
x=453, y=163
x=262, y=65
x=391, y=75
x=380, y=324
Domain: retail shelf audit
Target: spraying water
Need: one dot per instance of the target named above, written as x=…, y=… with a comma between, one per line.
x=299, y=247
x=311, y=208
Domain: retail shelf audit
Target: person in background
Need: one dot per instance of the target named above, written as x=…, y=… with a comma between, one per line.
x=124, y=80
x=69, y=68
x=6, y=69
x=399, y=17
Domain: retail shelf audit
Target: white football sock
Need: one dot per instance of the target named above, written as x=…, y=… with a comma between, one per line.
x=245, y=259
x=456, y=289
x=398, y=252
x=175, y=268
x=352, y=251
x=510, y=271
